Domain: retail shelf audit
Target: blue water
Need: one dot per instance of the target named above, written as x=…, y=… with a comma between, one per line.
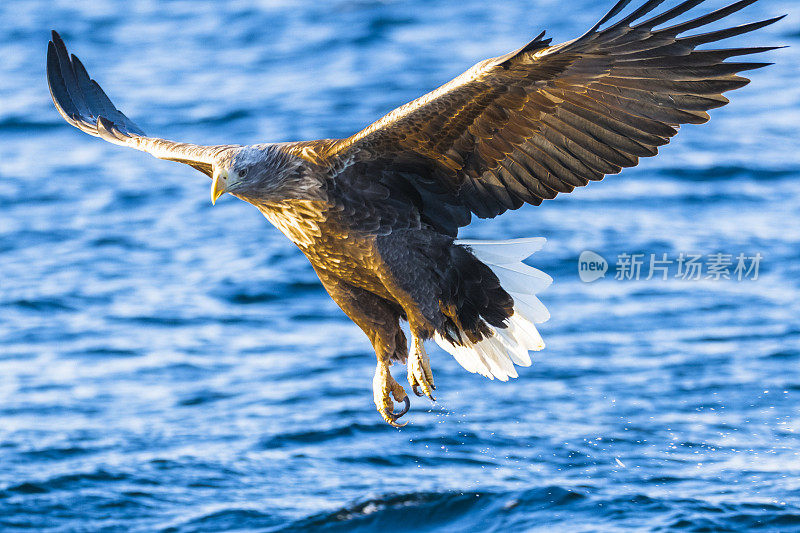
x=169, y=366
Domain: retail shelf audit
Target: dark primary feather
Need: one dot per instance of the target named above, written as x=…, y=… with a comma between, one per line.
x=78, y=98
x=82, y=103
x=522, y=127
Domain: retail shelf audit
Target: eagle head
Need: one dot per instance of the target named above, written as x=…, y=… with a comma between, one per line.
x=257, y=173
x=234, y=171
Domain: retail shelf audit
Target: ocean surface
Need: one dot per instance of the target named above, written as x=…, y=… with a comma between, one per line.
x=166, y=365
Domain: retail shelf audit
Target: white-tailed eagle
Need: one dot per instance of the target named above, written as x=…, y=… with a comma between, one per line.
x=377, y=214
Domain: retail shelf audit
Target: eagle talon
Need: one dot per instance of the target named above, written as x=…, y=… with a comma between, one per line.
x=391, y=417
x=392, y=421
x=406, y=407
x=384, y=389
x=419, y=370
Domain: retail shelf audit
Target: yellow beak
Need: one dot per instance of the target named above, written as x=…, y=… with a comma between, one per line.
x=218, y=185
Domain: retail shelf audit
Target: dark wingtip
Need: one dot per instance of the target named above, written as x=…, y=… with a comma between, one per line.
x=56, y=39
x=773, y=20
x=55, y=83
x=52, y=58
x=704, y=38
x=618, y=7
x=537, y=43
x=79, y=99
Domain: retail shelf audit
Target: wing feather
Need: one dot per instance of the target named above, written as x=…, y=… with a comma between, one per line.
x=544, y=119
x=84, y=104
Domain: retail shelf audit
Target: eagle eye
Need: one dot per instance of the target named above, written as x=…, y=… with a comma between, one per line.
x=242, y=173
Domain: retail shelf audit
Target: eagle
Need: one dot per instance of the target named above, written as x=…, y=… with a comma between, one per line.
x=377, y=214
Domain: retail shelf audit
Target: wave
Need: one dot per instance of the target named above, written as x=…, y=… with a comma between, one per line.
x=19, y=124
x=227, y=520
x=65, y=482
x=318, y=436
x=544, y=509
x=439, y=511
x=727, y=172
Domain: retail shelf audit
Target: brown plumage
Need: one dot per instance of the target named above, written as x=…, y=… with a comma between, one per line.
x=377, y=213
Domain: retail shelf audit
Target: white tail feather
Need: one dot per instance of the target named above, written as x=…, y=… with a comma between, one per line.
x=495, y=356
x=509, y=251
x=520, y=277
x=530, y=306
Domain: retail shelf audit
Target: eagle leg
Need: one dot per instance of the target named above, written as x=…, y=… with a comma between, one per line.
x=419, y=370
x=380, y=320
x=384, y=388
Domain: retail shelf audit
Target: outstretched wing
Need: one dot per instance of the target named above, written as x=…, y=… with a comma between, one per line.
x=545, y=119
x=82, y=103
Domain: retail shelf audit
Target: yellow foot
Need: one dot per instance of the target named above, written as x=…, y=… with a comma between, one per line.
x=419, y=370
x=384, y=387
